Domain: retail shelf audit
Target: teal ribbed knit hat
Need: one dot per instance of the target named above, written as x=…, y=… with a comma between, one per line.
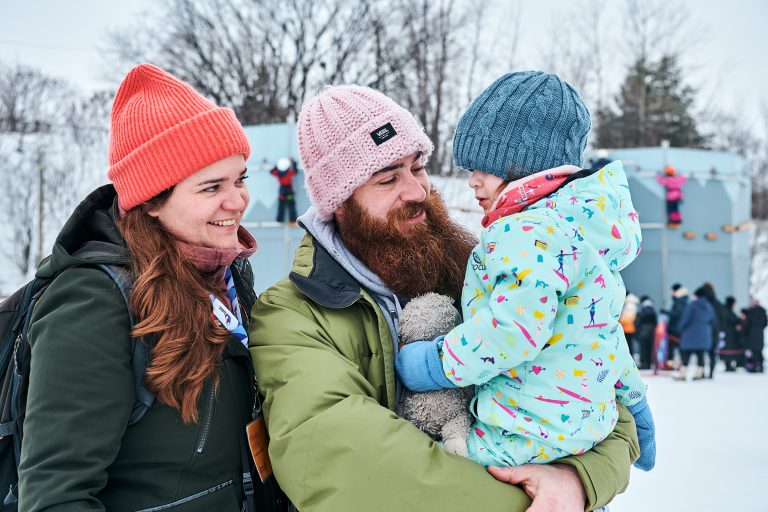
x=523, y=123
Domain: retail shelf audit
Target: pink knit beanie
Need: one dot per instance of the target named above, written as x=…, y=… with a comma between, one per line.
x=163, y=131
x=346, y=133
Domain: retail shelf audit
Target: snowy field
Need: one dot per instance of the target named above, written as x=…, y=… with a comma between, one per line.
x=712, y=453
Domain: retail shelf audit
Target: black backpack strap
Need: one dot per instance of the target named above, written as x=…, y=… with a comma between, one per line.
x=140, y=347
x=245, y=455
x=17, y=310
x=242, y=273
x=250, y=505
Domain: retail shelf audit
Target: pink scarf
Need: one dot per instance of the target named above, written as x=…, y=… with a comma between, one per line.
x=215, y=261
x=520, y=194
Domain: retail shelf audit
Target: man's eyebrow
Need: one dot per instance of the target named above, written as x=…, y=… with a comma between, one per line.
x=398, y=166
x=388, y=168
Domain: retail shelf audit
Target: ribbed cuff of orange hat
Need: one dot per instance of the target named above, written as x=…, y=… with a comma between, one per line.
x=176, y=154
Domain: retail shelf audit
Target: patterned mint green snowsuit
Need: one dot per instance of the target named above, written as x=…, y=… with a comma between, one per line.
x=541, y=336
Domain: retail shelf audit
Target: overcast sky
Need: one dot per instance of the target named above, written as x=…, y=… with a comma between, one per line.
x=729, y=66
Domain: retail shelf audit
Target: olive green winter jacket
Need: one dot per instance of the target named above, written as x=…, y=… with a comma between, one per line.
x=78, y=452
x=324, y=356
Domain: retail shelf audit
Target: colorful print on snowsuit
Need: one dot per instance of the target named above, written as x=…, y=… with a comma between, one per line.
x=541, y=337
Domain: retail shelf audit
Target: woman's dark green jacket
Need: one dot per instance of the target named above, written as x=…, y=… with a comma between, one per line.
x=78, y=451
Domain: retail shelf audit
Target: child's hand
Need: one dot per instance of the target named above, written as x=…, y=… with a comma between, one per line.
x=552, y=487
x=646, y=435
x=419, y=366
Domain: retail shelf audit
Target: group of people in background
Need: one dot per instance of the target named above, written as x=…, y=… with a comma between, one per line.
x=696, y=325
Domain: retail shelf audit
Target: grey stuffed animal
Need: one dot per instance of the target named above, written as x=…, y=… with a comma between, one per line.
x=441, y=414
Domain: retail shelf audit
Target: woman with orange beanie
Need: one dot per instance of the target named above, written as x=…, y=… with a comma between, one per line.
x=171, y=220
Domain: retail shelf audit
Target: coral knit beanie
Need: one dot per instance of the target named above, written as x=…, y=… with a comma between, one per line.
x=523, y=123
x=163, y=131
x=346, y=133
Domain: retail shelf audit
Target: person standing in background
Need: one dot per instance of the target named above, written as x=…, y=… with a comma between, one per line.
x=645, y=331
x=627, y=318
x=696, y=326
x=718, y=330
x=285, y=171
x=755, y=322
x=679, y=301
x=733, y=349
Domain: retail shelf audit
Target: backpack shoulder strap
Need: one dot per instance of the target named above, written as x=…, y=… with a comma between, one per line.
x=140, y=347
x=15, y=314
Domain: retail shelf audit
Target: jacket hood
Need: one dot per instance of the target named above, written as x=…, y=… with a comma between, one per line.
x=702, y=304
x=89, y=236
x=598, y=209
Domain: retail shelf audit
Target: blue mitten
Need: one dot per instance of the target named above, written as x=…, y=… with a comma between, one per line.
x=646, y=434
x=419, y=366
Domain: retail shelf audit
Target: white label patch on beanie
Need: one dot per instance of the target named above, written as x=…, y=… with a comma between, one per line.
x=383, y=134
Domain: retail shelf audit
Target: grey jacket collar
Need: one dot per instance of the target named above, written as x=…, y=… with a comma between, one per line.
x=337, y=276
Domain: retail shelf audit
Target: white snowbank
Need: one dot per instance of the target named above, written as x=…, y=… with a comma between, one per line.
x=711, y=449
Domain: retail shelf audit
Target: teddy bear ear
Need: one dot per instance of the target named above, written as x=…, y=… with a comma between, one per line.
x=427, y=317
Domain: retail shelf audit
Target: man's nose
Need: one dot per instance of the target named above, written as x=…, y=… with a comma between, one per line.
x=413, y=190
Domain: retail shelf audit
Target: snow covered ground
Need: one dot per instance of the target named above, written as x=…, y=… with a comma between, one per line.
x=712, y=453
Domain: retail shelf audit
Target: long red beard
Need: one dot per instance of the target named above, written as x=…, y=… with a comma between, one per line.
x=412, y=260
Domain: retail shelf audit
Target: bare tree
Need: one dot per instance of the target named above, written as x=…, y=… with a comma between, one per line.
x=657, y=28
x=577, y=52
x=76, y=160
x=727, y=131
x=19, y=157
x=511, y=32
x=30, y=102
x=477, y=19
x=759, y=168
x=52, y=145
x=425, y=67
x=263, y=58
x=568, y=55
x=260, y=57
x=31, y=106
x=592, y=29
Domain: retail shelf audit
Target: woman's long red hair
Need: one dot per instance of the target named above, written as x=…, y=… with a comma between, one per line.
x=171, y=300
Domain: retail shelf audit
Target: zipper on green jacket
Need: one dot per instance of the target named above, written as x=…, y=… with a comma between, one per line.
x=207, y=419
x=193, y=497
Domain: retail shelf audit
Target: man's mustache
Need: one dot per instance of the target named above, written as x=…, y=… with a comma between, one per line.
x=408, y=210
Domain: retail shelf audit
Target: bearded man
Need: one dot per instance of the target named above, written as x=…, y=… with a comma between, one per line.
x=323, y=340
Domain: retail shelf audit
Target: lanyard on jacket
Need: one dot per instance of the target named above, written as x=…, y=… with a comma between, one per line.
x=233, y=322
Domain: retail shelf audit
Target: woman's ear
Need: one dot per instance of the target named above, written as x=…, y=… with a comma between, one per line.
x=152, y=212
